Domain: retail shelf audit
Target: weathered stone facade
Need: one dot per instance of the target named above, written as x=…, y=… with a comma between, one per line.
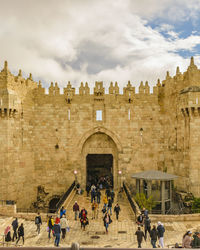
x=45, y=137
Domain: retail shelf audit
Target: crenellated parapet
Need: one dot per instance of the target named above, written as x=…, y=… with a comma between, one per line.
x=84, y=90
x=114, y=90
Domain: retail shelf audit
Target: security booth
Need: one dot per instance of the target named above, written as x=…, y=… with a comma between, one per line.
x=158, y=184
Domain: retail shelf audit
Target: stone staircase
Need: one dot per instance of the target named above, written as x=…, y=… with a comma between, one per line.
x=121, y=232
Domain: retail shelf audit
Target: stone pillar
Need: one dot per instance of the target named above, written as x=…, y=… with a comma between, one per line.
x=137, y=186
x=149, y=183
x=163, y=197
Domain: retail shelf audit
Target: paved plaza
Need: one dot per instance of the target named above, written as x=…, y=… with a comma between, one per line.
x=121, y=233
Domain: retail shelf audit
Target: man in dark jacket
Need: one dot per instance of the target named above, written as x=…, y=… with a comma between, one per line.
x=147, y=225
x=76, y=209
x=38, y=222
x=57, y=231
x=15, y=226
x=20, y=233
x=154, y=236
x=140, y=236
x=161, y=231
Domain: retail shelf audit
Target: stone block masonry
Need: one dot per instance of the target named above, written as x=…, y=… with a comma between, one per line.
x=45, y=137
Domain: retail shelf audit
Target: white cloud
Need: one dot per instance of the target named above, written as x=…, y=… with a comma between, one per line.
x=91, y=40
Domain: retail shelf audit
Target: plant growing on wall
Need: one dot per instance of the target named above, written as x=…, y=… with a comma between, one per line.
x=143, y=201
x=196, y=205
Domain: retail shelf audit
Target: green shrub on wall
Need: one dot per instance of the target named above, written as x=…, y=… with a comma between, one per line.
x=196, y=205
x=142, y=201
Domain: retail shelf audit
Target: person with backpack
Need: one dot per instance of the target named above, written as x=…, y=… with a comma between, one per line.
x=20, y=233
x=64, y=225
x=57, y=232
x=147, y=226
x=161, y=231
x=15, y=226
x=38, y=222
x=106, y=220
x=50, y=224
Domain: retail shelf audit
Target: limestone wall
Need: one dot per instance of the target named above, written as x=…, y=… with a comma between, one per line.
x=45, y=137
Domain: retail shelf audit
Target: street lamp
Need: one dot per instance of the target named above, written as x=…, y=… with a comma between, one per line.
x=120, y=174
x=75, y=175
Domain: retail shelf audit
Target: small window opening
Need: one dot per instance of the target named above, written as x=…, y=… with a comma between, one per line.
x=197, y=101
x=99, y=115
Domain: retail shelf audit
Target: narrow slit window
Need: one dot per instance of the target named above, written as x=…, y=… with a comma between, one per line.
x=68, y=114
x=1, y=101
x=197, y=101
x=99, y=115
x=129, y=114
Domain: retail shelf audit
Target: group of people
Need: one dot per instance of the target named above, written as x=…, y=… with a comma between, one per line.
x=155, y=233
x=18, y=232
x=190, y=241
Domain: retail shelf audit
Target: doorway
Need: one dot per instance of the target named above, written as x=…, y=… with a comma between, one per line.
x=99, y=169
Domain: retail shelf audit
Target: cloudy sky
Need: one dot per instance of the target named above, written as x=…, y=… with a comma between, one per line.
x=95, y=40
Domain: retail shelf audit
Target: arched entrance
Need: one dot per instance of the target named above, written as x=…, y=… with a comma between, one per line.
x=99, y=157
x=99, y=169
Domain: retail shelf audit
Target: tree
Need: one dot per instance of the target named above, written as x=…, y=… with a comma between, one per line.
x=143, y=201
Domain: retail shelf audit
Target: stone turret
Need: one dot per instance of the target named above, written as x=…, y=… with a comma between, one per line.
x=129, y=92
x=99, y=90
x=69, y=92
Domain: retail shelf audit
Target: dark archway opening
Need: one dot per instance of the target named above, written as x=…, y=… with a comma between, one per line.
x=100, y=169
x=52, y=205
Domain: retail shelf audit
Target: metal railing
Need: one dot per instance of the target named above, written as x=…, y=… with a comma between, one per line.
x=5, y=243
x=7, y=202
x=130, y=199
x=64, y=197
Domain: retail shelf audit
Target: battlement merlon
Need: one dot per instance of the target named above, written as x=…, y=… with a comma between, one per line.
x=20, y=84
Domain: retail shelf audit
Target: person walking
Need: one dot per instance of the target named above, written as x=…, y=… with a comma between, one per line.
x=57, y=231
x=38, y=222
x=93, y=193
x=187, y=239
x=50, y=224
x=140, y=236
x=105, y=200
x=161, y=231
x=109, y=206
x=7, y=234
x=83, y=218
x=154, y=236
x=117, y=210
x=98, y=194
x=94, y=209
x=14, y=226
x=62, y=211
x=64, y=225
x=112, y=195
x=76, y=209
x=147, y=226
x=20, y=233
x=107, y=220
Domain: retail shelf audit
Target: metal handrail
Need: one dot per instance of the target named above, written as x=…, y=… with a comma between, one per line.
x=64, y=197
x=130, y=199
